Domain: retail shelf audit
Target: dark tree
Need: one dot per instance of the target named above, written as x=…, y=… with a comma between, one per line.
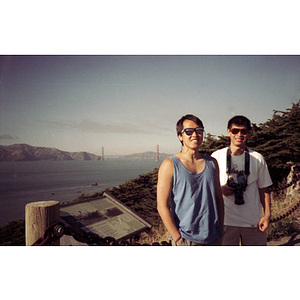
x=278, y=140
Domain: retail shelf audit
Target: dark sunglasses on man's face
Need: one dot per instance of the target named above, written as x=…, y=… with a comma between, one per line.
x=190, y=131
x=236, y=131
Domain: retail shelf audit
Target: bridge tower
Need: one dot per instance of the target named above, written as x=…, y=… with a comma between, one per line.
x=157, y=153
x=102, y=155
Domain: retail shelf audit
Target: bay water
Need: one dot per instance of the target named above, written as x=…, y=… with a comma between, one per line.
x=63, y=181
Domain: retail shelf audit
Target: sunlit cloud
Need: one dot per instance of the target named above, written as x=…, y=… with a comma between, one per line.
x=91, y=126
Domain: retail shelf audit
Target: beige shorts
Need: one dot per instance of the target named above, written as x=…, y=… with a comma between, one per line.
x=243, y=236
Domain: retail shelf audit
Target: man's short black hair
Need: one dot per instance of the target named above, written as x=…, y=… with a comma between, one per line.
x=179, y=125
x=239, y=121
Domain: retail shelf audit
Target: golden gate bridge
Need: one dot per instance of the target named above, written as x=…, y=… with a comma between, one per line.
x=156, y=155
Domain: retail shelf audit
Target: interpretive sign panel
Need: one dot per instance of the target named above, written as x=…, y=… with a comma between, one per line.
x=105, y=216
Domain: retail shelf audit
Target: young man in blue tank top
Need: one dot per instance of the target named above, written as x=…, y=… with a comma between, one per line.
x=189, y=197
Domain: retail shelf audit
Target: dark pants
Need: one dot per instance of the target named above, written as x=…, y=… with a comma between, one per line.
x=244, y=236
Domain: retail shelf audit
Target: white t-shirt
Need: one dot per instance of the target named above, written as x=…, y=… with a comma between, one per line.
x=249, y=213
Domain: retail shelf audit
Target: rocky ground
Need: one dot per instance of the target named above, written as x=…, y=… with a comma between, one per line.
x=293, y=240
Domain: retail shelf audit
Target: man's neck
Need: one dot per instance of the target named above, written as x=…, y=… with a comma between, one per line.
x=237, y=150
x=190, y=154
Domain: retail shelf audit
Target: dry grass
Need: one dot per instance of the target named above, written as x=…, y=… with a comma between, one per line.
x=158, y=233
x=281, y=204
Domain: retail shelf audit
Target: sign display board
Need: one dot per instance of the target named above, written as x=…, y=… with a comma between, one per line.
x=105, y=216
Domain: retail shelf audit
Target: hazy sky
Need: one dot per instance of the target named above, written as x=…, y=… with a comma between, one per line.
x=131, y=104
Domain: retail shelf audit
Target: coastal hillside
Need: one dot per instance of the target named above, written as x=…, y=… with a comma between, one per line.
x=139, y=194
x=24, y=152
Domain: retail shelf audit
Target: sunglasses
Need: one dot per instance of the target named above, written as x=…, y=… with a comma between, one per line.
x=190, y=131
x=236, y=131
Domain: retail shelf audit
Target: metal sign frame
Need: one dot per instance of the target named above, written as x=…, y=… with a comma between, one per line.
x=105, y=216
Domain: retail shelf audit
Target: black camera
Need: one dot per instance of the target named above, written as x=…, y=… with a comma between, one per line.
x=239, y=187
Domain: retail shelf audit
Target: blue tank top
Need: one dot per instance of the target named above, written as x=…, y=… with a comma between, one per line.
x=193, y=202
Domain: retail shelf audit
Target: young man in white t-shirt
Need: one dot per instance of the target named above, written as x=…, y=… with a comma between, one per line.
x=244, y=179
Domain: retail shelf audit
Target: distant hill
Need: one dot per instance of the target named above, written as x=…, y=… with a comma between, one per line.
x=148, y=154
x=24, y=152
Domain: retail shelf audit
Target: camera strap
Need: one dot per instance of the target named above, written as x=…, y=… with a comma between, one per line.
x=247, y=162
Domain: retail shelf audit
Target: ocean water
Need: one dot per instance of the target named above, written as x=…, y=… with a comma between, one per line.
x=25, y=182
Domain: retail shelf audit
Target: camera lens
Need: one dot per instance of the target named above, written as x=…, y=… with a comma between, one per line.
x=239, y=199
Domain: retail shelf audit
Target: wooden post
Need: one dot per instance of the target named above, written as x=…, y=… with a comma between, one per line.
x=39, y=216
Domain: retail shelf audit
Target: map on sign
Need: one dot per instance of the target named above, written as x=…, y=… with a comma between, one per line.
x=105, y=216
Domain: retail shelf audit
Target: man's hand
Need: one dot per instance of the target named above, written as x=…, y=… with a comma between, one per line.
x=178, y=242
x=263, y=224
x=227, y=190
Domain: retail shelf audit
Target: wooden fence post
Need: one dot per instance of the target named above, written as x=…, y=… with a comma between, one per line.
x=39, y=216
